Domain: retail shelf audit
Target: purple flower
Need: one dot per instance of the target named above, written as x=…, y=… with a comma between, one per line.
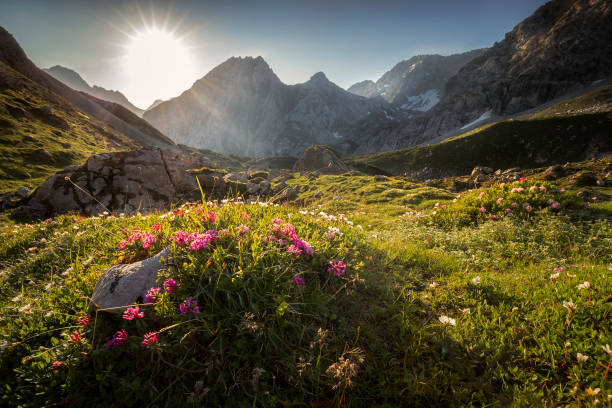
x=169, y=285
x=337, y=267
x=152, y=295
x=294, y=250
x=118, y=339
x=189, y=305
x=210, y=217
x=298, y=281
x=507, y=211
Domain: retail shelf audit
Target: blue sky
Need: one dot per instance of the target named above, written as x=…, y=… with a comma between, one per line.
x=348, y=40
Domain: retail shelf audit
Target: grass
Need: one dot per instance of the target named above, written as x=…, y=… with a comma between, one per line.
x=570, y=131
x=432, y=310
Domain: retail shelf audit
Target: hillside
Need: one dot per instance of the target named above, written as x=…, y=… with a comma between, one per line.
x=76, y=82
x=571, y=130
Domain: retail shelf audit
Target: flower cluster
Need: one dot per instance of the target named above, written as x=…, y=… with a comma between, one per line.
x=118, y=339
x=337, y=267
x=189, y=305
x=146, y=239
x=210, y=217
x=149, y=338
x=285, y=235
x=195, y=240
x=133, y=313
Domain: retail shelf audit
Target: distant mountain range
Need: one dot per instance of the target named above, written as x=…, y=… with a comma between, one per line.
x=76, y=82
x=417, y=83
x=241, y=107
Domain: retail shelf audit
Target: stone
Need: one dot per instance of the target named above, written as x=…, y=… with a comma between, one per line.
x=554, y=172
x=481, y=178
x=380, y=178
x=252, y=188
x=125, y=284
x=321, y=159
x=41, y=155
x=22, y=192
x=512, y=170
x=28, y=138
x=479, y=170
x=288, y=194
x=585, y=179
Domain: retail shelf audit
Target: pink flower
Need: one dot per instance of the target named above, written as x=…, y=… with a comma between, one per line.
x=502, y=184
x=533, y=188
x=118, y=339
x=494, y=217
x=441, y=207
x=298, y=281
x=500, y=200
x=514, y=205
x=189, y=305
x=562, y=190
x=244, y=216
x=294, y=250
x=514, y=190
x=147, y=240
x=528, y=208
x=483, y=210
x=133, y=313
x=210, y=217
x=156, y=227
x=84, y=320
x=169, y=285
x=122, y=244
x=243, y=229
x=277, y=221
x=56, y=365
x=337, y=267
x=179, y=238
x=555, y=205
x=134, y=237
x=520, y=190
x=542, y=188
x=507, y=211
x=523, y=179
x=152, y=295
x=149, y=338
x=270, y=238
x=201, y=241
x=224, y=232
x=75, y=337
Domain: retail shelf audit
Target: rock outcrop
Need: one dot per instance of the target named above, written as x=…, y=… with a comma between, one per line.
x=125, y=284
x=139, y=180
x=320, y=159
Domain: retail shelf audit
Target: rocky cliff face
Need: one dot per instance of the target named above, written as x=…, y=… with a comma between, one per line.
x=242, y=107
x=563, y=46
x=76, y=82
x=416, y=83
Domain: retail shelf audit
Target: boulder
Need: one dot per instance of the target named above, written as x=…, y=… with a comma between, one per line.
x=512, y=170
x=322, y=159
x=554, y=172
x=125, y=284
x=480, y=170
x=41, y=156
x=288, y=194
x=585, y=179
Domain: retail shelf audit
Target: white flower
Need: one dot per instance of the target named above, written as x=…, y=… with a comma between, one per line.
x=447, y=320
x=568, y=344
x=584, y=285
x=433, y=285
x=569, y=305
x=569, y=275
x=514, y=309
x=607, y=349
x=554, y=275
x=466, y=311
x=476, y=280
x=581, y=357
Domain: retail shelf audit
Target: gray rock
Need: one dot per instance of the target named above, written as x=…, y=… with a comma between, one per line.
x=554, y=172
x=125, y=284
x=22, y=192
x=321, y=159
x=585, y=179
x=252, y=188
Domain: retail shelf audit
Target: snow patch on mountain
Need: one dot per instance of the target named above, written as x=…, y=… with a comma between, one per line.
x=422, y=102
x=484, y=116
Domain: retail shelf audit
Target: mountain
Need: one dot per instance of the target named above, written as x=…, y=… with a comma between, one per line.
x=564, y=46
x=76, y=82
x=241, y=107
x=154, y=104
x=416, y=83
x=45, y=125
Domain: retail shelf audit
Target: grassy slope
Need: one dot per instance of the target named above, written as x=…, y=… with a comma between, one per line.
x=258, y=340
x=20, y=117
x=572, y=130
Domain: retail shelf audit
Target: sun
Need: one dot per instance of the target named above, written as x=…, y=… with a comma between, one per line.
x=158, y=65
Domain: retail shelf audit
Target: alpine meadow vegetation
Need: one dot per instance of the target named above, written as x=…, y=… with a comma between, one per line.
x=373, y=292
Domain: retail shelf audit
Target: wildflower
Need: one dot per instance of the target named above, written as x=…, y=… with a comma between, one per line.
x=337, y=267
x=244, y=216
x=554, y=275
x=533, y=188
x=149, y=338
x=476, y=280
x=584, y=285
x=56, y=365
x=581, y=357
x=528, y=208
x=570, y=275
x=75, y=337
x=607, y=349
x=514, y=190
x=169, y=285
x=122, y=244
x=523, y=179
x=500, y=200
x=118, y=339
x=514, y=205
x=520, y=190
x=483, y=210
x=152, y=295
x=147, y=240
x=210, y=217
x=242, y=229
x=447, y=320
x=156, y=227
x=515, y=309
x=494, y=217
x=433, y=285
x=84, y=320
x=201, y=241
x=542, y=188
x=332, y=232
x=555, y=205
x=133, y=313
x=294, y=250
x=189, y=305
x=569, y=305
x=298, y=281
x=466, y=311
x=224, y=232
x=502, y=184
